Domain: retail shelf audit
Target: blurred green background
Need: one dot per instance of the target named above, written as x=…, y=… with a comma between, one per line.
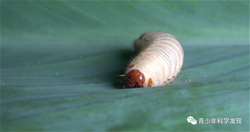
x=60, y=62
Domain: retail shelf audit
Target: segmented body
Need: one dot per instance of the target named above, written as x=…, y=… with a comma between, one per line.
x=159, y=60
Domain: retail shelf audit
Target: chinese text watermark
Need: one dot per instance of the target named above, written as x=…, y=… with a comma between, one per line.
x=193, y=121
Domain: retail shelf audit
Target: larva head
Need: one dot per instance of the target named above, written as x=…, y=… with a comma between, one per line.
x=135, y=79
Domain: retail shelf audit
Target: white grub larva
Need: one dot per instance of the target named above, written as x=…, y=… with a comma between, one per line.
x=159, y=60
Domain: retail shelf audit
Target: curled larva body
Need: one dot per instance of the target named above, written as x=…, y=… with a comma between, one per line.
x=159, y=60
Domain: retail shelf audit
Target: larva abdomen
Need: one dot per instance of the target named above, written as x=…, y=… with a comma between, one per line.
x=159, y=60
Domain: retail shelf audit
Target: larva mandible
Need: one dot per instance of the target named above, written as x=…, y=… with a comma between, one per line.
x=159, y=60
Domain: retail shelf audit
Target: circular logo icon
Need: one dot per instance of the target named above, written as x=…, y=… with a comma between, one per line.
x=190, y=119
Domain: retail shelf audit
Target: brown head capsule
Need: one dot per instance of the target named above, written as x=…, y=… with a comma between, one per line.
x=135, y=79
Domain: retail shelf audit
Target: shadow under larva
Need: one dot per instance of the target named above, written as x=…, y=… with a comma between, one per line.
x=125, y=56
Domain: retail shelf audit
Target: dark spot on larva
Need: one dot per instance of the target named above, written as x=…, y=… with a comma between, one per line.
x=168, y=79
x=164, y=81
x=150, y=82
x=131, y=66
x=173, y=76
x=135, y=79
x=146, y=40
x=142, y=36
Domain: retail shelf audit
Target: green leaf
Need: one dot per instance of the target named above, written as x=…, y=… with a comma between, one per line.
x=60, y=62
